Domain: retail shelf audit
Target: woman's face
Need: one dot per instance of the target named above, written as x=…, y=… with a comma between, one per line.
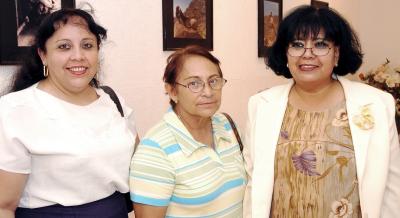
x=71, y=56
x=204, y=103
x=312, y=68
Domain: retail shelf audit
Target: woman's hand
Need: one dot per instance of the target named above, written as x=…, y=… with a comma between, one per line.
x=144, y=211
x=11, y=187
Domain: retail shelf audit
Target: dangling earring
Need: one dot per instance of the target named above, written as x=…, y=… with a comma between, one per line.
x=287, y=65
x=45, y=71
x=336, y=64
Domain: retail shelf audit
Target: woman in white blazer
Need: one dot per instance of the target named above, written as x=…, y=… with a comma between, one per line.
x=321, y=145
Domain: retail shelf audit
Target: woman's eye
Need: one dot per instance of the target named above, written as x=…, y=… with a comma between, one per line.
x=213, y=81
x=88, y=45
x=321, y=44
x=194, y=83
x=64, y=46
x=297, y=45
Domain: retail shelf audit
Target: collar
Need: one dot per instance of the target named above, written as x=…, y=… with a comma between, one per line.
x=186, y=141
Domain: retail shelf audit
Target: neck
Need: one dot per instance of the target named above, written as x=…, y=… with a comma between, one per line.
x=193, y=122
x=315, y=98
x=199, y=127
x=314, y=90
x=81, y=97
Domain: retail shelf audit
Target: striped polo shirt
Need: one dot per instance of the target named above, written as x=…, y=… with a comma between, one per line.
x=172, y=169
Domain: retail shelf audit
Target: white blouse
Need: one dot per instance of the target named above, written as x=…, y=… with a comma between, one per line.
x=73, y=154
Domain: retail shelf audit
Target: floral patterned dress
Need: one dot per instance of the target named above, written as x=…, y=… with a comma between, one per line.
x=315, y=167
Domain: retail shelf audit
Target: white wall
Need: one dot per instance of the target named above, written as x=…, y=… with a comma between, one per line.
x=380, y=32
x=134, y=60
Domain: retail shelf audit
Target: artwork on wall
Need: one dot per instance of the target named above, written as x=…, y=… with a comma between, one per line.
x=269, y=17
x=19, y=20
x=187, y=22
x=319, y=4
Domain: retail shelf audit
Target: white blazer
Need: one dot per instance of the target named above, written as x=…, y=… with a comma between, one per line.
x=377, y=150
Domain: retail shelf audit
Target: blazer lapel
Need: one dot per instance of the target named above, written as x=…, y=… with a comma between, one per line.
x=270, y=113
x=360, y=136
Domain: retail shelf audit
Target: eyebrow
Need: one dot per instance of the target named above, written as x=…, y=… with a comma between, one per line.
x=60, y=40
x=197, y=77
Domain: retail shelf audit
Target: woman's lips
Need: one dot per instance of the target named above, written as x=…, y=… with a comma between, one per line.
x=77, y=71
x=307, y=67
x=206, y=104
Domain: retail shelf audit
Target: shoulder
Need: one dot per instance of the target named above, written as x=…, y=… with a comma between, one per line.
x=113, y=99
x=158, y=136
x=16, y=99
x=273, y=94
x=362, y=90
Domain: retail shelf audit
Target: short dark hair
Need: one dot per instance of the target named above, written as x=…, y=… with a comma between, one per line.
x=306, y=21
x=176, y=60
x=31, y=70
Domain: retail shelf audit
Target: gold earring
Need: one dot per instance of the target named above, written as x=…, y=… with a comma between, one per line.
x=45, y=71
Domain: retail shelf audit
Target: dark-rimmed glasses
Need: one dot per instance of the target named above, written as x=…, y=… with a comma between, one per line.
x=198, y=85
x=297, y=48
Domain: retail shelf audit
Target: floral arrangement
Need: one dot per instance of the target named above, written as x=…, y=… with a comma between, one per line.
x=387, y=79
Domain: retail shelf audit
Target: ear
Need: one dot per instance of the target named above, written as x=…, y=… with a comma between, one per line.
x=171, y=91
x=337, y=53
x=42, y=56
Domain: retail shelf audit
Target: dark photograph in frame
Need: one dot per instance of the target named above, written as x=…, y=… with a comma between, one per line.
x=187, y=22
x=269, y=17
x=19, y=20
x=319, y=4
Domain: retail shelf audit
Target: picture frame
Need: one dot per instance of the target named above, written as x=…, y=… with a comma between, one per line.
x=269, y=17
x=187, y=22
x=319, y=4
x=19, y=20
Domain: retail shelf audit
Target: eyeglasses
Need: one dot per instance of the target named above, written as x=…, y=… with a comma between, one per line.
x=198, y=85
x=297, y=49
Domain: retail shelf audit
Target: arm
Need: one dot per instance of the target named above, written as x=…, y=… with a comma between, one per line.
x=11, y=187
x=143, y=211
x=248, y=156
x=391, y=197
x=152, y=180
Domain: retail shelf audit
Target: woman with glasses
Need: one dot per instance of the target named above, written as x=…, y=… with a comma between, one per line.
x=321, y=145
x=190, y=163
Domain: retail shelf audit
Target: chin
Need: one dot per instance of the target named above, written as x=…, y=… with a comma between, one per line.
x=207, y=112
x=80, y=85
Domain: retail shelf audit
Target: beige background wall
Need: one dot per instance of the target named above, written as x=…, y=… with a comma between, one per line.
x=134, y=61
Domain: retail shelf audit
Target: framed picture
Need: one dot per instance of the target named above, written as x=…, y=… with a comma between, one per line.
x=187, y=22
x=269, y=17
x=319, y=4
x=19, y=20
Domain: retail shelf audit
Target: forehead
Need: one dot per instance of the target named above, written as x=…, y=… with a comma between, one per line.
x=197, y=66
x=309, y=34
x=72, y=30
x=76, y=23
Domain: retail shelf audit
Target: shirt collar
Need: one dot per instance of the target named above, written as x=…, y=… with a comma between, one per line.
x=186, y=141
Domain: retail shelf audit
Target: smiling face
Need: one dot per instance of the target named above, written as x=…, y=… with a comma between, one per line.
x=204, y=103
x=310, y=69
x=71, y=56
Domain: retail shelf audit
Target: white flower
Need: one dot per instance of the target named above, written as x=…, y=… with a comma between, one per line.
x=393, y=79
x=364, y=120
x=341, y=209
x=381, y=76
